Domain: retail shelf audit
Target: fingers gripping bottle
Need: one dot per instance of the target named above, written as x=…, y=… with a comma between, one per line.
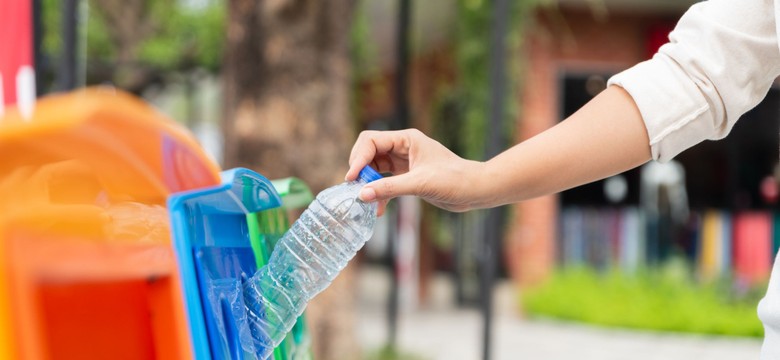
x=307, y=259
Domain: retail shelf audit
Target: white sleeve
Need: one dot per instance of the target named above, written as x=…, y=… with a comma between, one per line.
x=720, y=62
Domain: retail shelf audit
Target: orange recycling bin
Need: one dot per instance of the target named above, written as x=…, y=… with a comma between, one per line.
x=87, y=270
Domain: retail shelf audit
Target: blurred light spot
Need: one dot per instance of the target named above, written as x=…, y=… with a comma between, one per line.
x=769, y=189
x=616, y=188
x=25, y=90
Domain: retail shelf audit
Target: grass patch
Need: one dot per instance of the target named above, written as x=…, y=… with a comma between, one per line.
x=391, y=353
x=665, y=300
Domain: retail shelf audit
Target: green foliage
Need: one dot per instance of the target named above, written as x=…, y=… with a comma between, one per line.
x=663, y=300
x=186, y=37
x=391, y=353
x=362, y=53
x=99, y=44
x=172, y=36
x=362, y=49
x=472, y=55
x=51, y=20
x=468, y=101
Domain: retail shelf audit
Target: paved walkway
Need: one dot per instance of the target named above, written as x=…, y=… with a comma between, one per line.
x=446, y=332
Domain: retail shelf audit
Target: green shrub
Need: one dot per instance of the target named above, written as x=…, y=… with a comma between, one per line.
x=390, y=353
x=666, y=300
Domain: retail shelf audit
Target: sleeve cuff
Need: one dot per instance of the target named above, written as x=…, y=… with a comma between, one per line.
x=675, y=112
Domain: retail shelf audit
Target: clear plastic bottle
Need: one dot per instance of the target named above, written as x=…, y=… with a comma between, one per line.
x=307, y=259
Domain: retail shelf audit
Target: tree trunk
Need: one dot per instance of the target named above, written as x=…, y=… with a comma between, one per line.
x=287, y=82
x=287, y=78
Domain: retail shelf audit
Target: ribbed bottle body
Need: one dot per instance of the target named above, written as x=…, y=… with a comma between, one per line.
x=305, y=261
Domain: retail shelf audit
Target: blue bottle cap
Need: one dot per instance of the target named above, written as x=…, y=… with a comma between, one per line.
x=368, y=174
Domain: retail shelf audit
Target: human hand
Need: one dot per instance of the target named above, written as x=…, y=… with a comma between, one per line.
x=421, y=166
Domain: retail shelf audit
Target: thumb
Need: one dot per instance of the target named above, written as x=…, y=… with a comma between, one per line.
x=389, y=187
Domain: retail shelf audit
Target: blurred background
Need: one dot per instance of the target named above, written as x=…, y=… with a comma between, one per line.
x=625, y=266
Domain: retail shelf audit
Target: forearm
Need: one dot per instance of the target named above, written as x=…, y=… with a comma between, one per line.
x=605, y=137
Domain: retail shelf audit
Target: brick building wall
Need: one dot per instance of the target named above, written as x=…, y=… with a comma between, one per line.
x=564, y=40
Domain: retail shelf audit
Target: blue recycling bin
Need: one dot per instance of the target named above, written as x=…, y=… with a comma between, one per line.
x=219, y=244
